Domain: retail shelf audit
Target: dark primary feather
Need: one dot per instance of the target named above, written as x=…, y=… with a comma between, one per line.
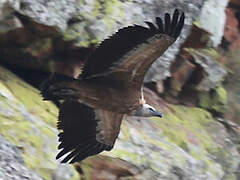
x=160, y=24
x=115, y=47
x=167, y=23
x=151, y=26
x=174, y=21
x=79, y=125
x=179, y=26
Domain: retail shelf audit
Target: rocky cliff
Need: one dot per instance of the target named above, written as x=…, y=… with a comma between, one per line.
x=195, y=84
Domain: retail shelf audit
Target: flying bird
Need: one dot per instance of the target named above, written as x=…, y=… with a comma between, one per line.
x=110, y=86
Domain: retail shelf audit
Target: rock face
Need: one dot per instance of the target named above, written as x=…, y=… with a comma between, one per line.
x=213, y=73
x=51, y=13
x=197, y=74
x=29, y=124
x=212, y=10
x=233, y=86
x=40, y=27
x=50, y=25
x=232, y=30
x=12, y=164
x=188, y=143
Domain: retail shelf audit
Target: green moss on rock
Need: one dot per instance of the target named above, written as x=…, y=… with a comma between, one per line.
x=216, y=100
x=106, y=12
x=185, y=126
x=220, y=100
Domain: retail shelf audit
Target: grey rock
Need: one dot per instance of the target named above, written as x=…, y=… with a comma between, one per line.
x=12, y=165
x=91, y=26
x=212, y=10
x=214, y=72
x=51, y=12
x=64, y=172
x=36, y=138
x=167, y=161
x=156, y=156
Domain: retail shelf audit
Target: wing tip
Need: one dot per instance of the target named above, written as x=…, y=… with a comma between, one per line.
x=171, y=26
x=179, y=25
x=79, y=154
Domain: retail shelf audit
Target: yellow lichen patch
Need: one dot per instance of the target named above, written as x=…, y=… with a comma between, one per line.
x=196, y=23
x=211, y=52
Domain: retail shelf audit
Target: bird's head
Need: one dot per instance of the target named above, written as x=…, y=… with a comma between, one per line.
x=147, y=111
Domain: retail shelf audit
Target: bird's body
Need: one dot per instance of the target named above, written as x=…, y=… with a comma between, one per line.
x=109, y=87
x=123, y=100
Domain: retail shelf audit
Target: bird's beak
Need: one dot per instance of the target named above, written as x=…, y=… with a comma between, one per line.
x=158, y=114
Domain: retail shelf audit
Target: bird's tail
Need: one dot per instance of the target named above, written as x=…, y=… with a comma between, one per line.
x=49, y=88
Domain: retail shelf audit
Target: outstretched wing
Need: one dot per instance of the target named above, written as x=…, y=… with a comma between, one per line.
x=85, y=131
x=128, y=54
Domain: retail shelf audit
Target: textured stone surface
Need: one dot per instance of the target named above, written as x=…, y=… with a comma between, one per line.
x=216, y=100
x=186, y=144
x=29, y=123
x=12, y=165
x=87, y=22
x=51, y=13
x=213, y=72
x=212, y=10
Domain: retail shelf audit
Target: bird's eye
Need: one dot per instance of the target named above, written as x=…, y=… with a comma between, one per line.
x=151, y=109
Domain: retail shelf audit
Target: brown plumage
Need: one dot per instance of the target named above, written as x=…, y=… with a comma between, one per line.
x=109, y=87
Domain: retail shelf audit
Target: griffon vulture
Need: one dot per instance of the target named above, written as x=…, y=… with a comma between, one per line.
x=109, y=87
